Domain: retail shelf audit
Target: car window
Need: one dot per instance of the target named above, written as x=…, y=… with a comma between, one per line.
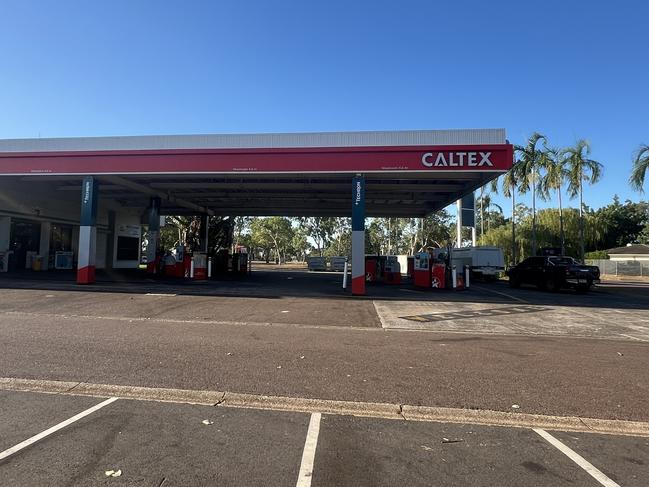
x=561, y=260
x=536, y=261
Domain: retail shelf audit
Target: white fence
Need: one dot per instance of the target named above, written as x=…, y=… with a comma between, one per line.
x=621, y=268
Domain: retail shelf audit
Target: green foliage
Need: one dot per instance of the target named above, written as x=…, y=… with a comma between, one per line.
x=273, y=233
x=547, y=233
x=186, y=230
x=530, y=159
x=341, y=241
x=320, y=229
x=596, y=255
x=640, y=167
x=581, y=169
x=625, y=222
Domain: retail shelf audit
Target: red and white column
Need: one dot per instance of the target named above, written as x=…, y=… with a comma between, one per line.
x=87, y=232
x=358, y=236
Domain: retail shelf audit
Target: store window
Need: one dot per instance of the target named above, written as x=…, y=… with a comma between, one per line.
x=61, y=238
x=128, y=248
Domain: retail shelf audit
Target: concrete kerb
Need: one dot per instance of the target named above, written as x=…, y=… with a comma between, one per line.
x=325, y=406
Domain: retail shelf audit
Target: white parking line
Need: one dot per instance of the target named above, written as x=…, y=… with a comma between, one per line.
x=54, y=429
x=577, y=458
x=308, y=456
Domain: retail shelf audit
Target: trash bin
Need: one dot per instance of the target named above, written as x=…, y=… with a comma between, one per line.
x=37, y=263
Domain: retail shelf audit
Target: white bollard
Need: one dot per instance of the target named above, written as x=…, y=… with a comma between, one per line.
x=191, y=269
x=454, y=277
x=466, y=277
x=209, y=267
x=345, y=276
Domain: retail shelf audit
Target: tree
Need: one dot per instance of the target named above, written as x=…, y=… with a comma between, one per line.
x=275, y=233
x=554, y=163
x=299, y=245
x=509, y=191
x=340, y=244
x=547, y=232
x=320, y=229
x=625, y=222
x=241, y=226
x=531, y=160
x=486, y=204
x=581, y=169
x=437, y=230
x=640, y=166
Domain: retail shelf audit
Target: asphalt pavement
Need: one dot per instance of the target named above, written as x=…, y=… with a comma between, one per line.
x=297, y=336
x=160, y=444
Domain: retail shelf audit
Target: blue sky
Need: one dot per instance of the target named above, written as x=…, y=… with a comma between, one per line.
x=567, y=69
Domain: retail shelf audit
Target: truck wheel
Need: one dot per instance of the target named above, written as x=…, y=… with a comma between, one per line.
x=551, y=285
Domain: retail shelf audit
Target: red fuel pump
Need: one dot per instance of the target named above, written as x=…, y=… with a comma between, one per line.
x=429, y=272
x=422, y=276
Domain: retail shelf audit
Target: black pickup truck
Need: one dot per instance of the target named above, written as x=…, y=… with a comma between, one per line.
x=553, y=273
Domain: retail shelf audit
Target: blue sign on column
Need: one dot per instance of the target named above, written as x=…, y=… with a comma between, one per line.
x=358, y=203
x=89, y=196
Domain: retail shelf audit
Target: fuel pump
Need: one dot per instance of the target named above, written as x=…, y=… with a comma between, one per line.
x=421, y=270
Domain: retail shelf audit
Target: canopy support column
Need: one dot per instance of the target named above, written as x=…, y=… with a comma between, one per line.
x=358, y=236
x=88, y=231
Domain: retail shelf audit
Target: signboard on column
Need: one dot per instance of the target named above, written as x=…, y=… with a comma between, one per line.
x=358, y=235
x=87, y=232
x=468, y=210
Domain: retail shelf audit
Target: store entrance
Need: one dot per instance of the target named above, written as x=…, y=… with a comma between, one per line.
x=25, y=240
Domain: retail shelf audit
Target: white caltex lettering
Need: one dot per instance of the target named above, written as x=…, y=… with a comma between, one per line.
x=440, y=161
x=425, y=161
x=484, y=161
x=456, y=159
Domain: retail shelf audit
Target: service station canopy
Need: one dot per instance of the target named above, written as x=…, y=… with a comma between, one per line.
x=408, y=173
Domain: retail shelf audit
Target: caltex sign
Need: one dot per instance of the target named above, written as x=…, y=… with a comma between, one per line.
x=457, y=159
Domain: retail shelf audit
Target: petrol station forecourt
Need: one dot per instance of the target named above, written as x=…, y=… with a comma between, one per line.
x=196, y=382
x=106, y=187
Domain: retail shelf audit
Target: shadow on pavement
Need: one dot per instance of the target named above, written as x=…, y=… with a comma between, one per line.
x=283, y=283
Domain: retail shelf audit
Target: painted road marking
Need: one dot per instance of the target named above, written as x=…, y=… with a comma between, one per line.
x=164, y=295
x=54, y=429
x=477, y=313
x=577, y=458
x=308, y=455
x=328, y=406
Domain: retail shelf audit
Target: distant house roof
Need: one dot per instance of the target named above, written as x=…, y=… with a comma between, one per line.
x=630, y=249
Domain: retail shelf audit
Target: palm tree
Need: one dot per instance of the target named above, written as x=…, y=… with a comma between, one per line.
x=509, y=191
x=530, y=160
x=581, y=169
x=485, y=205
x=556, y=173
x=640, y=167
